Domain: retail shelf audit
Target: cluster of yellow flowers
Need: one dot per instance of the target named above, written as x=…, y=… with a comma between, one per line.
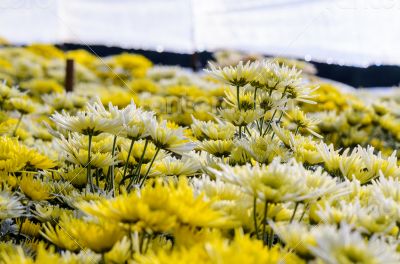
x=249, y=163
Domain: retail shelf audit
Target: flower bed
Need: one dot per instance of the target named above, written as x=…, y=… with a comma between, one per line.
x=252, y=163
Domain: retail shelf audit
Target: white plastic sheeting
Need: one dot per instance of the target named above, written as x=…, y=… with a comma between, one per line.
x=355, y=32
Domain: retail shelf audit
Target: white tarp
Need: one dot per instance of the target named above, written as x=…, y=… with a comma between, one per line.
x=355, y=32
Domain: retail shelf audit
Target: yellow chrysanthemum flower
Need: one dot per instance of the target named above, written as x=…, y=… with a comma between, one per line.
x=241, y=250
x=97, y=236
x=130, y=209
x=143, y=85
x=11, y=159
x=24, y=106
x=28, y=227
x=46, y=50
x=59, y=236
x=76, y=176
x=35, y=189
x=37, y=87
x=120, y=253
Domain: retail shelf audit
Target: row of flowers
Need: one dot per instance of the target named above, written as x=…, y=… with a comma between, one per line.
x=263, y=164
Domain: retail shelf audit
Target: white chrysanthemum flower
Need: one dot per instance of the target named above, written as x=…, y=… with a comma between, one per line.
x=388, y=187
x=386, y=195
x=168, y=138
x=264, y=149
x=240, y=75
x=274, y=77
x=302, y=121
x=241, y=117
x=131, y=120
x=217, y=190
x=10, y=206
x=45, y=213
x=330, y=156
x=301, y=93
x=344, y=245
x=289, y=73
x=7, y=92
x=63, y=100
x=269, y=76
x=321, y=184
x=207, y=161
x=376, y=219
x=83, y=257
x=171, y=166
x=86, y=123
x=136, y=124
x=245, y=101
x=158, y=72
x=297, y=236
x=218, y=148
x=212, y=130
x=274, y=183
x=72, y=152
x=377, y=164
x=334, y=213
x=271, y=102
x=364, y=165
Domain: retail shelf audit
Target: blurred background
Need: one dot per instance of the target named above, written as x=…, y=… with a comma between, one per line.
x=351, y=41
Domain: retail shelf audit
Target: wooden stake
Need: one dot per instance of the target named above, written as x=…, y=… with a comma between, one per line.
x=69, y=75
x=195, y=62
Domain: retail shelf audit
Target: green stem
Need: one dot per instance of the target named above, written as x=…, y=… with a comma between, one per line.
x=261, y=123
x=238, y=96
x=89, y=165
x=146, y=247
x=265, y=221
x=280, y=117
x=271, y=238
x=240, y=131
x=111, y=169
x=255, y=97
x=273, y=115
x=398, y=232
x=255, y=215
x=136, y=175
x=127, y=159
x=247, y=129
x=131, y=239
x=97, y=176
x=20, y=228
x=148, y=170
x=270, y=123
x=279, y=120
x=141, y=242
x=294, y=212
x=24, y=171
x=304, y=211
x=18, y=123
x=297, y=130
